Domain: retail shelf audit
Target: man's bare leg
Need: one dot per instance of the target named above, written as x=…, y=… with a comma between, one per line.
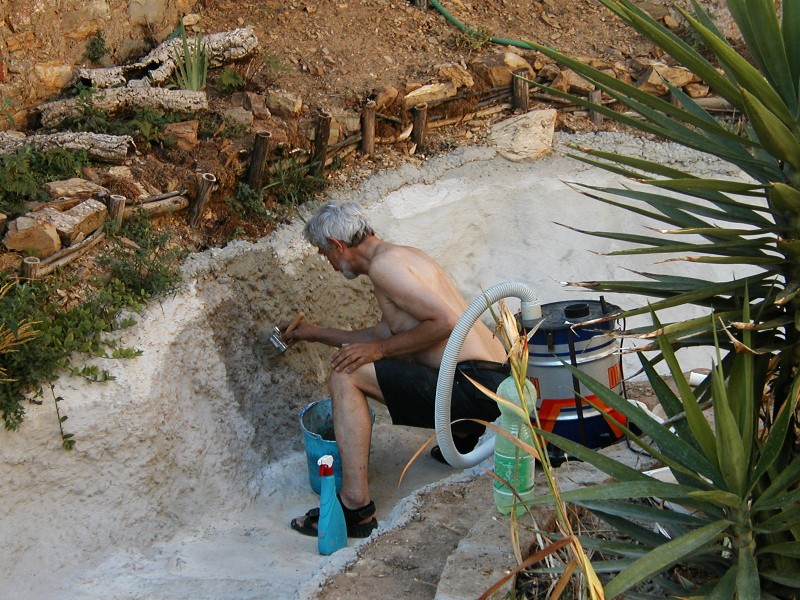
x=353, y=428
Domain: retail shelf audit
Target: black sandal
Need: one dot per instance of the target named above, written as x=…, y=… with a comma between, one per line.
x=352, y=519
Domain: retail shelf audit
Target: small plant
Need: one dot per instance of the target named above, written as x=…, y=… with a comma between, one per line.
x=191, y=64
x=249, y=203
x=6, y=104
x=87, y=117
x=24, y=172
x=96, y=47
x=267, y=67
x=230, y=80
x=293, y=184
x=473, y=39
x=67, y=439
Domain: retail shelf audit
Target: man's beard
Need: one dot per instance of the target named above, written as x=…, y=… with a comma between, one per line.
x=346, y=271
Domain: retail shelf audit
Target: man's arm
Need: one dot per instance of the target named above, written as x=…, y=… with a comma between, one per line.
x=338, y=337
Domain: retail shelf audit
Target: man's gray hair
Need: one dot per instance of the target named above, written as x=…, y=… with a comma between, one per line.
x=345, y=221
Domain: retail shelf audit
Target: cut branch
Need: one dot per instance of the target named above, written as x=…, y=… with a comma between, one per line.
x=99, y=146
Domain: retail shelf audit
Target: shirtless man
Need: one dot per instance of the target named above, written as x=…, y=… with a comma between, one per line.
x=396, y=361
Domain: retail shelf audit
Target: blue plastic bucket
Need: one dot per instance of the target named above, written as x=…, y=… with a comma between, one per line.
x=316, y=421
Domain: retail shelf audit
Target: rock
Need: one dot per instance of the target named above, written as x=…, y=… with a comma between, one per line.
x=3, y=219
x=53, y=74
x=697, y=90
x=549, y=72
x=671, y=22
x=386, y=97
x=652, y=81
x=497, y=69
x=191, y=19
x=185, y=133
x=73, y=188
x=429, y=93
x=256, y=104
x=456, y=74
x=76, y=223
x=26, y=40
x=32, y=237
x=569, y=81
x=238, y=114
x=525, y=137
x=283, y=103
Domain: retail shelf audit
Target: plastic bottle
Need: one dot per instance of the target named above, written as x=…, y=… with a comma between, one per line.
x=511, y=462
x=331, y=528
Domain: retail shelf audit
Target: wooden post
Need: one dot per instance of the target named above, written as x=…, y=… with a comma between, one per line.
x=520, y=90
x=420, y=120
x=596, y=96
x=368, y=129
x=30, y=267
x=116, y=208
x=258, y=160
x=204, y=188
x=321, y=136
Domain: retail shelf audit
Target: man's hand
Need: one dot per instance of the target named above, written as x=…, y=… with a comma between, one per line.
x=352, y=356
x=305, y=331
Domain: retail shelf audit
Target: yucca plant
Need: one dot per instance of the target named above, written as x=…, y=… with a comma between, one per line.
x=740, y=479
x=191, y=63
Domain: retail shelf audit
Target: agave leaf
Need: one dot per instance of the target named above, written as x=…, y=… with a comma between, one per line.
x=776, y=438
x=762, y=33
x=747, y=76
x=786, y=201
x=645, y=513
x=721, y=185
x=730, y=448
x=773, y=133
x=787, y=477
x=632, y=161
x=791, y=38
x=724, y=588
x=788, y=579
x=791, y=549
x=719, y=498
x=664, y=556
x=782, y=520
x=748, y=584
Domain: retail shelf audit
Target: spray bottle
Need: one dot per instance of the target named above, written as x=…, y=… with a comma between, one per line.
x=331, y=528
x=511, y=462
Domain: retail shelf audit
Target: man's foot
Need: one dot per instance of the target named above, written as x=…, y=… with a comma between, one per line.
x=463, y=445
x=357, y=520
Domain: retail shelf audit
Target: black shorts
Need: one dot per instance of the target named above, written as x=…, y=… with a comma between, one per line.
x=409, y=391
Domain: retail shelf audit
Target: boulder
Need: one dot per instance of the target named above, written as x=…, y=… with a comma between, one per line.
x=256, y=104
x=53, y=74
x=184, y=133
x=386, y=97
x=73, y=188
x=76, y=223
x=32, y=237
x=283, y=103
x=456, y=74
x=497, y=69
x=525, y=137
x=569, y=81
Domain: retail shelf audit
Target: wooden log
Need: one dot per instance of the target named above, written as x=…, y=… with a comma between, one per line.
x=67, y=255
x=159, y=207
x=102, y=147
x=368, y=129
x=116, y=209
x=159, y=64
x=30, y=267
x=321, y=136
x=61, y=203
x=156, y=197
x=420, y=120
x=596, y=96
x=205, y=186
x=258, y=160
x=520, y=90
x=435, y=124
x=116, y=99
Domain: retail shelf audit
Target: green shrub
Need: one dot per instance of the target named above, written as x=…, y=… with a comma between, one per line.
x=230, y=80
x=96, y=47
x=249, y=203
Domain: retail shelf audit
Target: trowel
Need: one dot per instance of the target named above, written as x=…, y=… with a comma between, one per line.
x=276, y=339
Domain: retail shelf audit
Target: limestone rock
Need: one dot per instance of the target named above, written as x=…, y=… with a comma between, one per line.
x=32, y=237
x=256, y=104
x=456, y=74
x=238, y=115
x=652, y=80
x=53, y=74
x=73, y=188
x=386, y=97
x=498, y=69
x=569, y=81
x=185, y=134
x=76, y=223
x=25, y=40
x=429, y=93
x=284, y=104
x=697, y=90
x=525, y=137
